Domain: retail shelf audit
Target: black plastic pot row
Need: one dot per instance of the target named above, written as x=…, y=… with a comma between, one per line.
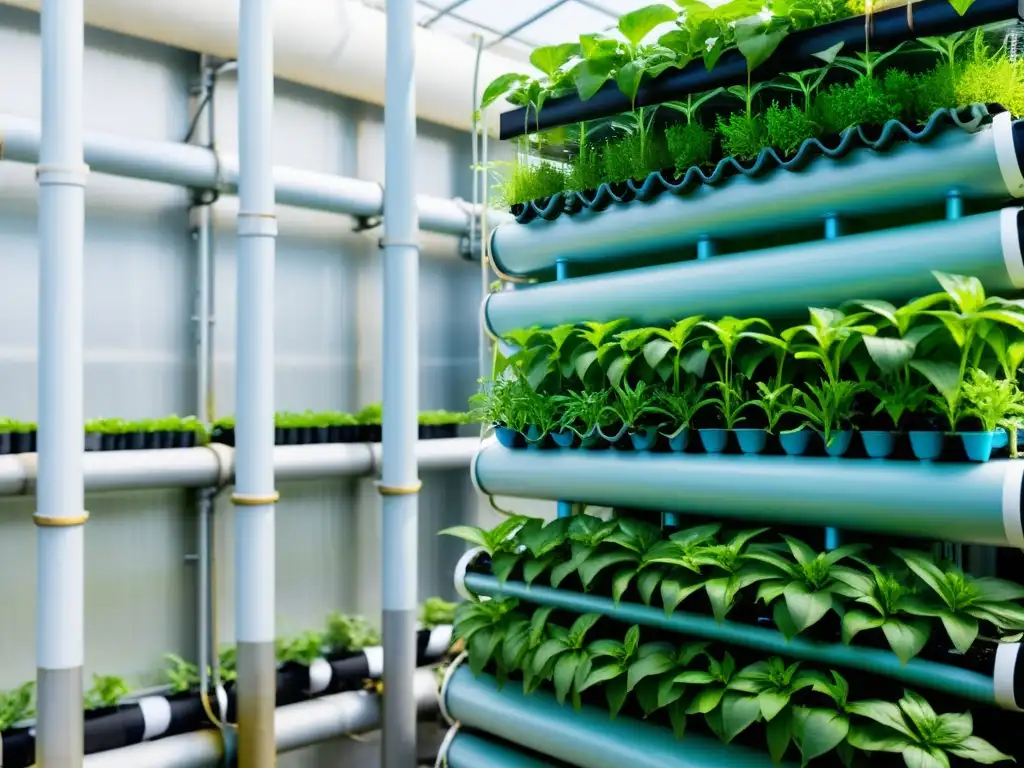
x=797, y=52
x=27, y=442
x=356, y=433
x=924, y=445
x=124, y=726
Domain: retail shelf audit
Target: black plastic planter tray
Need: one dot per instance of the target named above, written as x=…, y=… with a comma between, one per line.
x=17, y=442
x=438, y=431
x=795, y=54
x=140, y=441
x=117, y=727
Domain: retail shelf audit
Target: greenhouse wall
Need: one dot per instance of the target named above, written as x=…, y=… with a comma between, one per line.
x=140, y=278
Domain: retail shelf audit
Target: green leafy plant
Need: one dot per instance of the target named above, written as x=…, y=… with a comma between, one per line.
x=303, y=649
x=564, y=653
x=734, y=570
x=883, y=594
x=345, y=634
x=437, y=612
x=828, y=407
x=963, y=600
x=17, y=705
x=805, y=582
x=482, y=626
x=925, y=738
x=227, y=661
x=106, y=691
x=992, y=400
x=182, y=675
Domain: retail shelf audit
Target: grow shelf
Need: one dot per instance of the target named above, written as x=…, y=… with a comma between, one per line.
x=1003, y=686
x=970, y=503
x=967, y=122
x=583, y=738
x=797, y=52
x=892, y=264
x=980, y=161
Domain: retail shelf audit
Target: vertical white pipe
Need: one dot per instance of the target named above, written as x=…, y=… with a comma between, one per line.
x=60, y=514
x=255, y=495
x=400, y=483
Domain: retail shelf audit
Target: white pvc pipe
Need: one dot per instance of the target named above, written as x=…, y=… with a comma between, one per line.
x=214, y=466
x=255, y=494
x=186, y=165
x=297, y=726
x=400, y=482
x=60, y=514
x=334, y=45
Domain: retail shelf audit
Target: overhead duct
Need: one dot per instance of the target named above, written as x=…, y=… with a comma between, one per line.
x=333, y=45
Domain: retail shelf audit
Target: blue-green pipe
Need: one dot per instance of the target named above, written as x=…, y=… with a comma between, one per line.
x=968, y=503
x=586, y=739
x=469, y=750
x=979, y=166
x=917, y=672
x=893, y=264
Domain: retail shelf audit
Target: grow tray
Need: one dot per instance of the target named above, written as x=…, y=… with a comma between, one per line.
x=879, y=139
x=797, y=52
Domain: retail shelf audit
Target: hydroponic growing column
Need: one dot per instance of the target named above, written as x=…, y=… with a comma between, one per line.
x=400, y=483
x=255, y=495
x=60, y=515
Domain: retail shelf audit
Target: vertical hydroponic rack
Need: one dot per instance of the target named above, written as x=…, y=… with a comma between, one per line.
x=792, y=376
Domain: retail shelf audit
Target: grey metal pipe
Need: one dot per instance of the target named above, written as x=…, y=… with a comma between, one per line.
x=214, y=465
x=971, y=503
x=60, y=513
x=980, y=166
x=400, y=484
x=255, y=495
x=186, y=165
x=587, y=738
x=297, y=726
x=893, y=264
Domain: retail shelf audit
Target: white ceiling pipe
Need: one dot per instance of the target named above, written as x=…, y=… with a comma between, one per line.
x=186, y=165
x=201, y=468
x=297, y=726
x=334, y=45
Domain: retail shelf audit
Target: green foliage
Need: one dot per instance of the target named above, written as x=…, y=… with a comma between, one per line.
x=788, y=127
x=345, y=634
x=106, y=691
x=743, y=137
x=689, y=145
x=182, y=675
x=437, y=612
x=17, y=705
x=303, y=649
x=790, y=705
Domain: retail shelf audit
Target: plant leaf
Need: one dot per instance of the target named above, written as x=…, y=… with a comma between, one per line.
x=616, y=694
x=779, y=733
x=819, y=731
x=806, y=608
x=739, y=712
x=475, y=536
x=565, y=673
x=978, y=750
x=601, y=675
x=636, y=25
x=706, y=699
x=654, y=664
x=906, y=638
x=962, y=630
x=857, y=621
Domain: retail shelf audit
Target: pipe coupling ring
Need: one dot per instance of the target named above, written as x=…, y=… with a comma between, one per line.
x=245, y=500
x=46, y=521
x=62, y=175
x=399, y=490
x=257, y=225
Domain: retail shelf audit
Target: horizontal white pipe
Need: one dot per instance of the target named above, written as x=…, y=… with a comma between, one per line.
x=188, y=165
x=200, y=467
x=297, y=726
x=334, y=45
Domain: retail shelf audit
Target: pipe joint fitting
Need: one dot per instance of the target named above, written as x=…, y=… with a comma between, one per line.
x=62, y=175
x=461, y=568
x=225, y=456
x=257, y=224
x=49, y=521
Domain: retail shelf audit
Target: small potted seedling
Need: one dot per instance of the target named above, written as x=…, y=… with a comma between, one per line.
x=504, y=403
x=896, y=398
x=582, y=414
x=224, y=431
x=636, y=409
x=829, y=408
x=773, y=402
x=370, y=423
x=342, y=427
x=990, y=401
x=6, y=429
x=543, y=416
x=680, y=407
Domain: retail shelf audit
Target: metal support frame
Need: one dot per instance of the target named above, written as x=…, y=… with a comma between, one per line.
x=255, y=496
x=60, y=512
x=400, y=484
